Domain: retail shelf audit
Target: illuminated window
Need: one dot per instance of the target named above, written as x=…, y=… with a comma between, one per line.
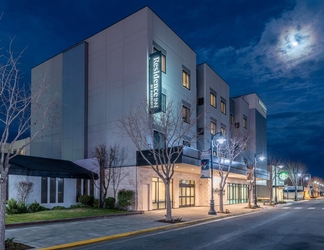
x=185, y=114
x=231, y=119
x=244, y=122
x=223, y=130
x=163, y=60
x=245, y=144
x=185, y=79
x=223, y=107
x=213, y=100
x=212, y=128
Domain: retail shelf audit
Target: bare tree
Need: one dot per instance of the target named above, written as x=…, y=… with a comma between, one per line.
x=101, y=155
x=273, y=163
x=110, y=163
x=163, y=135
x=24, y=188
x=15, y=117
x=250, y=177
x=227, y=152
x=295, y=169
x=119, y=173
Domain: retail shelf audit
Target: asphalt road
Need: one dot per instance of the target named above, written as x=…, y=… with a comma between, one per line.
x=296, y=226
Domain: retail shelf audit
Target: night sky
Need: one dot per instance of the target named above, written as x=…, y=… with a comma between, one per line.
x=274, y=48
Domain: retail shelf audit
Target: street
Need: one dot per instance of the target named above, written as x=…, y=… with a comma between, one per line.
x=295, y=226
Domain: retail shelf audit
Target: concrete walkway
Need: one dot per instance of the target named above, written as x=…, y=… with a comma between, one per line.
x=61, y=235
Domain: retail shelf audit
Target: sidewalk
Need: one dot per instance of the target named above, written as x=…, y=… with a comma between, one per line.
x=62, y=235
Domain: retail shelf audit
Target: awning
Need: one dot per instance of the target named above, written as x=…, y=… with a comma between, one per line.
x=46, y=167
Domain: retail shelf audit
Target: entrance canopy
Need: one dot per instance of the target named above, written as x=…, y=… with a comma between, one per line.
x=46, y=167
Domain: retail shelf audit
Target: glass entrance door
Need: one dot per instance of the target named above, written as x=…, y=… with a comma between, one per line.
x=159, y=194
x=186, y=193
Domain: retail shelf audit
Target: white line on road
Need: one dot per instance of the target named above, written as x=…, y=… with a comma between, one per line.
x=311, y=208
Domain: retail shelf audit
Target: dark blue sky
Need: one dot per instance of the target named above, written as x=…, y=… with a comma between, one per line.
x=274, y=48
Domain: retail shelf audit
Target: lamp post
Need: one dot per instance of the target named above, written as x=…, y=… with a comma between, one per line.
x=220, y=140
x=276, y=196
x=261, y=158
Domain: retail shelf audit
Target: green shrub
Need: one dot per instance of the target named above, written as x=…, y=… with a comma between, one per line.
x=36, y=207
x=96, y=203
x=87, y=200
x=14, y=207
x=58, y=208
x=110, y=202
x=125, y=198
x=76, y=206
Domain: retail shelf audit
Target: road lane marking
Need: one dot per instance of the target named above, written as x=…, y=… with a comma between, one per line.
x=311, y=208
x=298, y=208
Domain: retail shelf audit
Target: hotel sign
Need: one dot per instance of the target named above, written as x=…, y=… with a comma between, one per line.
x=155, y=83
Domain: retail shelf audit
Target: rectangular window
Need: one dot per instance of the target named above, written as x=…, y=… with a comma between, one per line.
x=223, y=130
x=245, y=144
x=44, y=189
x=60, y=190
x=159, y=140
x=200, y=131
x=223, y=107
x=212, y=128
x=52, y=190
x=213, y=102
x=231, y=119
x=244, y=122
x=91, y=187
x=200, y=101
x=163, y=103
x=85, y=187
x=185, y=79
x=78, y=189
x=186, y=143
x=185, y=114
x=163, y=60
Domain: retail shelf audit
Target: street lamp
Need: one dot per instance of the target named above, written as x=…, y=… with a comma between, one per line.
x=261, y=158
x=220, y=140
x=276, y=196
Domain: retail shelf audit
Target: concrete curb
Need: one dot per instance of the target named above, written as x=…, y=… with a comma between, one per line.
x=148, y=230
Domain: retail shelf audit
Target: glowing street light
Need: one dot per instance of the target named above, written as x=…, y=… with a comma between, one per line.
x=220, y=140
x=261, y=158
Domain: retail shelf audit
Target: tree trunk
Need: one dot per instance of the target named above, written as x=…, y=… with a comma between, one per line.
x=168, y=201
x=221, y=200
x=3, y=187
x=249, y=194
x=271, y=195
x=102, y=186
x=295, y=192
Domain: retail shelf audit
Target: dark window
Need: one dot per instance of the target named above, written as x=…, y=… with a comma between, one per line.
x=85, y=187
x=91, y=187
x=78, y=189
x=52, y=190
x=163, y=103
x=185, y=114
x=44, y=188
x=200, y=101
x=158, y=140
x=60, y=190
